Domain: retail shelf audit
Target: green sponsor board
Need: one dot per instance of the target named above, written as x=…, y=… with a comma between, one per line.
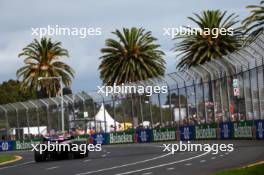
x=81, y=137
x=164, y=134
x=121, y=137
x=243, y=129
x=206, y=131
x=25, y=144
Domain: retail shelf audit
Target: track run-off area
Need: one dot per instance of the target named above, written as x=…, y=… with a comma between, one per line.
x=141, y=159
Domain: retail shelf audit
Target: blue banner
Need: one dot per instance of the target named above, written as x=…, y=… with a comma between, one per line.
x=6, y=145
x=187, y=133
x=99, y=138
x=226, y=130
x=144, y=135
x=259, y=129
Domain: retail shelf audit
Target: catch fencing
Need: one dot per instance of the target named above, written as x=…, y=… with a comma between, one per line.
x=224, y=90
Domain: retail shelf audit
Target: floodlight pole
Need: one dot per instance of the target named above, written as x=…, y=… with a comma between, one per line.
x=62, y=107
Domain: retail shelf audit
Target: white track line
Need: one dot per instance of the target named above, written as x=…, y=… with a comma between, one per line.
x=148, y=173
x=52, y=168
x=165, y=164
x=88, y=160
x=125, y=165
x=169, y=169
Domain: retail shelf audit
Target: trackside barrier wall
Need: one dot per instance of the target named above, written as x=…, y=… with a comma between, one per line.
x=6, y=145
x=99, y=138
x=243, y=130
x=25, y=144
x=227, y=130
x=143, y=135
x=164, y=134
x=121, y=137
x=206, y=131
x=187, y=133
x=259, y=129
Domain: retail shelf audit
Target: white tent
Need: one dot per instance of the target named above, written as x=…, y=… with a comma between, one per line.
x=103, y=115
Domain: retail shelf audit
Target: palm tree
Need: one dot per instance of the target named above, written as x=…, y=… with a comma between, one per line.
x=254, y=24
x=132, y=57
x=42, y=60
x=205, y=44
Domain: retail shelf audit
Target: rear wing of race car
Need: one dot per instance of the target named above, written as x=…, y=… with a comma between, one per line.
x=57, y=138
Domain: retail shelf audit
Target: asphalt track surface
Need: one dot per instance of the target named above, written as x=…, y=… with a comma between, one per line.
x=140, y=159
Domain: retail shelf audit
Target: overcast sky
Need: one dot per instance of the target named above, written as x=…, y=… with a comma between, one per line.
x=18, y=17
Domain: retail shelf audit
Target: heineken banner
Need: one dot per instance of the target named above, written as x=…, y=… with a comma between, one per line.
x=242, y=129
x=143, y=136
x=187, y=132
x=21, y=145
x=84, y=136
x=100, y=138
x=206, y=131
x=226, y=130
x=6, y=145
x=164, y=134
x=121, y=137
x=259, y=129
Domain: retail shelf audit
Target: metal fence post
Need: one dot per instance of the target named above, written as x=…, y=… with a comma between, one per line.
x=205, y=108
x=160, y=110
x=57, y=104
x=6, y=117
x=150, y=110
x=37, y=111
x=105, y=123
x=228, y=96
x=83, y=102
x=186, y=103
x=18, y=127
x=257, y=79
x=48, y=115
x=114, y=106
x=141, y=110
x=26, y=115
x=132, y=111
x=195, y=99
x=251, y=93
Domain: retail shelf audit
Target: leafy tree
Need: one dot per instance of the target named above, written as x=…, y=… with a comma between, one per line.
x=42, y=60
x=10, y=92
x=206, y=42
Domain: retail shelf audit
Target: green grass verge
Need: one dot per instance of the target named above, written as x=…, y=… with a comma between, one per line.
x=254, y=170
x=5, y=158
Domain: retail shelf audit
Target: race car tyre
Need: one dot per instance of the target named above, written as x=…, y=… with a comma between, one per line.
x=86, y=154
x=70, y=155
x=39, y=157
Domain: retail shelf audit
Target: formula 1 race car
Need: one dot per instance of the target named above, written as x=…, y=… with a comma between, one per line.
x=60, y=147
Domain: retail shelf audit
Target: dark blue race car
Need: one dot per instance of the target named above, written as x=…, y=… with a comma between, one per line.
x=61, y=147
